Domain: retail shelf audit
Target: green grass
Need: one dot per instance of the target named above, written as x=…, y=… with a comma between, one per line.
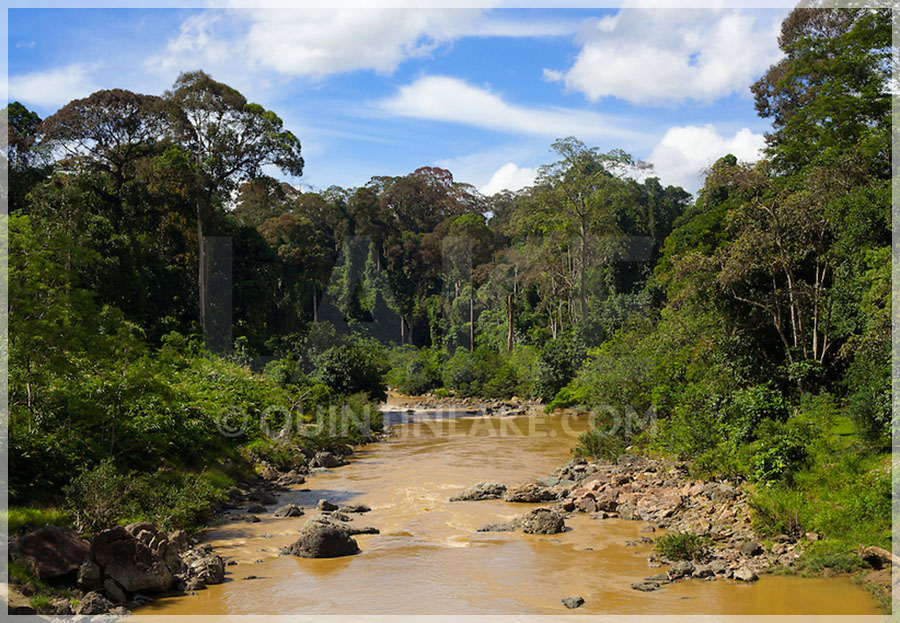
x=19, y=518
x=682, y=546
x=39, y=602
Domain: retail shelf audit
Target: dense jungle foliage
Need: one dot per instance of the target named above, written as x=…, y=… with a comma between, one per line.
x=170, y=303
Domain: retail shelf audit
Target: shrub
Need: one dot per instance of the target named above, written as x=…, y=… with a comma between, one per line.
x=351, y=368
x=598, y=444
x=777, y=458
x=556, y=367
x=100, y=496
x=682, y=546
x=777, y=510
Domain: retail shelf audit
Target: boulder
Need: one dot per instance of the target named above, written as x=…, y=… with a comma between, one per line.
x=702, y=571
x=128, y=561
x=645, y=586
x=289, y=510
x=586, y=504
x=93, y=603
x=324, y=541
x=331, y=520
x=355, y=507
x=529, y=493
x=51, y=554
x=720, y=492
x=114, y=591
x=628, y=511
x=745, y=574
x=751, y=548
x=573, y=602
x=269, y=473
x=89, y=576
x=682, y=568
x=291, y=478
x=326, y=459
x=325, y=505
x=209, y=569
x=481, y=491
x=542, y=521
x=606, y=502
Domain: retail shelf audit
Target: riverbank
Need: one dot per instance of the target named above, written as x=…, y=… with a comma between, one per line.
x=614, y=514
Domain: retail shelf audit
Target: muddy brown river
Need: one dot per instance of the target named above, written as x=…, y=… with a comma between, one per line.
x=429, y=559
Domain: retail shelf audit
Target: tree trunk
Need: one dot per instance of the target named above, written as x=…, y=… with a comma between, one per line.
x=471, y=320
x=201, y=268
x=509, y=322
x=315, y=305
x=582, y=293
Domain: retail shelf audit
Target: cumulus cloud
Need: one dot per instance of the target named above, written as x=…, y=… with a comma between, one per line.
x=442, y=98
x=52, y=87
x=509, y=177
x=661, y=56
x=319, y=42
x=685, y=151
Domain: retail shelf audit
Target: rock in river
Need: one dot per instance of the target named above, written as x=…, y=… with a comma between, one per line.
x=745, y=574
x=324, y=541
x=573, y=602
x=289, y=510
x=529, y=493
x=481, y=491
x=542, y=521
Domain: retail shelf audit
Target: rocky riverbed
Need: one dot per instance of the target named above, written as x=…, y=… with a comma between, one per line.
x=658, y=493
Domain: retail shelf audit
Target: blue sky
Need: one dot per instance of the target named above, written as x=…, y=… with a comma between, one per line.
x=481, y=92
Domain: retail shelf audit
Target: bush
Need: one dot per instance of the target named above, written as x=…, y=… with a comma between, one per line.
x=598, y=444
x=352, y=368
x=682, y=546
x=777, y=510
x=415, y=371
x=101, y=497
x=556, y=367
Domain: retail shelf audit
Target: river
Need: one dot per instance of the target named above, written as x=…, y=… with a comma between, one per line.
x=429, y=559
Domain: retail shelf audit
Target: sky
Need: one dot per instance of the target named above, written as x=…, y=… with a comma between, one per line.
x=481, y=92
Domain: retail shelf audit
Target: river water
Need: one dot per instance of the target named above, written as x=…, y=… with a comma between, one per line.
x=429, y=559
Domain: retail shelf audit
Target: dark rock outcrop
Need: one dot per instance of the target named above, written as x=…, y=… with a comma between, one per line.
x=481, y=491
x=52, y=554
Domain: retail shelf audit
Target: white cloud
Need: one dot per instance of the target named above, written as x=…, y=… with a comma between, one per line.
x=658, y=56
x=442, y=98
x=509, y=177
x=317, y=42
x=685, y=151
x=52, y=87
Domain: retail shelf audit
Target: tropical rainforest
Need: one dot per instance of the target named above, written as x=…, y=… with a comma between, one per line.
x=171, y=299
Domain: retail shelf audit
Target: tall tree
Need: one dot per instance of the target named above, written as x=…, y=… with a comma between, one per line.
x=230, y=140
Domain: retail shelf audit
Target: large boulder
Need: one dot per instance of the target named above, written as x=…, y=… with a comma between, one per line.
x=321, y=540
x=542, y=521
x=481, y=491
x=529, y=493
x=209, y=569
x=52, y=554
x=129, y=562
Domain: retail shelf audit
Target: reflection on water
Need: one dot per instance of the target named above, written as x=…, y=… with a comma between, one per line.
x=430, y=559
